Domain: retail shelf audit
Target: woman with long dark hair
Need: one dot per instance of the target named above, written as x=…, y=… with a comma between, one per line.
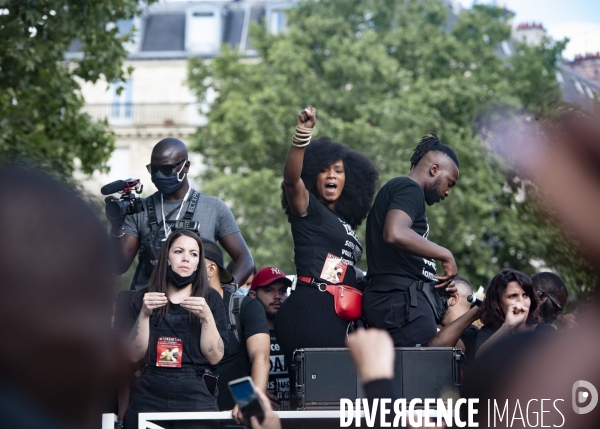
x=510, y=307
x=179, y=330
x=327, y=192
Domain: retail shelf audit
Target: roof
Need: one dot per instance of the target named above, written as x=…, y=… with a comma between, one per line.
x=164, y=30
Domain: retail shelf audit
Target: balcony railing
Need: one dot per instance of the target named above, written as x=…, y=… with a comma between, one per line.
x=148, y=115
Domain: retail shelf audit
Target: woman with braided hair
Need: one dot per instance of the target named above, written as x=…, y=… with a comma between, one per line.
x=402, y=277
x=327, y=192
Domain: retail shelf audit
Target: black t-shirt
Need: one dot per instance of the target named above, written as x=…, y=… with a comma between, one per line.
x=279, y=380
x=235, y=363
x=487, y=331
x=469, y=339
x=403, y=194
x=176, y=324
x=320, y=233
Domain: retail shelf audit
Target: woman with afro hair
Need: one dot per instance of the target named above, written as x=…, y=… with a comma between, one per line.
x=327, y=192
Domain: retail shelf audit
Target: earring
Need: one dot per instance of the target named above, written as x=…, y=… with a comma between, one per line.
x=168, y=263
x=497, y=308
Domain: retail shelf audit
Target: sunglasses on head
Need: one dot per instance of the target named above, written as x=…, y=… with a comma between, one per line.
x=164, y=169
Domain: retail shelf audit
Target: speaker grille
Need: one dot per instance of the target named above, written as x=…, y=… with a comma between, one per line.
x=425, y=372
x=329, y=376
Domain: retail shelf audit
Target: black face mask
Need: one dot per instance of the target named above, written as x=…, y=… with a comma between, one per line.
x=168, y=184
x=179, y=281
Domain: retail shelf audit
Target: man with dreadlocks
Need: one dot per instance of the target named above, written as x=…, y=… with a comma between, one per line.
x=400, y=258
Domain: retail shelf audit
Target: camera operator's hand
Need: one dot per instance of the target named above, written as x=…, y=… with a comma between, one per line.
x=153, y=300
x=117, y=223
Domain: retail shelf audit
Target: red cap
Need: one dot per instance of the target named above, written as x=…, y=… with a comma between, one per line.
x=268, y=275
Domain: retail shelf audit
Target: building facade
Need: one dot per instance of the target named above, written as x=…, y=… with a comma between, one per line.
x=155, y=101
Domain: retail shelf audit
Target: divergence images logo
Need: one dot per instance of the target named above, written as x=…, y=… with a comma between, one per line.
x=585, y=397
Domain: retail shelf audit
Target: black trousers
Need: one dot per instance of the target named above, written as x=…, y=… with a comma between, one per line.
x=161, y=390
x=387, y=307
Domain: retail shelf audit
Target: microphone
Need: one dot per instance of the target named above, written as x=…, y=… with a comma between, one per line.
x=474, y=301
x=112, y=187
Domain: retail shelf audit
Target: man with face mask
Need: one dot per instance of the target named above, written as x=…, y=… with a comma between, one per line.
x=175, y=201
x=401, y=260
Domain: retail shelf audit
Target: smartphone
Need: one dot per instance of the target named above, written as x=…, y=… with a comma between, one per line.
x=246, y=398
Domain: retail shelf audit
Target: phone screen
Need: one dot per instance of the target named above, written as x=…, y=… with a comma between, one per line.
x=246, y=398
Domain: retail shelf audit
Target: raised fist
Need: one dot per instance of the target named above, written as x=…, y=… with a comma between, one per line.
x=307, y=118
x=516, y=315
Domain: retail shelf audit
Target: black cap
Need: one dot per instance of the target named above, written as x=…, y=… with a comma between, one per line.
x=213, y=252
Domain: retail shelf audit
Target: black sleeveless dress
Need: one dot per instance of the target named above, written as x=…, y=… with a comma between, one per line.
x=325, y=249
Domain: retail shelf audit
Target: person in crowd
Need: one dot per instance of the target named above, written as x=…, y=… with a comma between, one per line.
x=248, y=333
x=457, y=327
x=243, y=289
x=269, y=287
x=529, y=366
x=552, y=295
x=174, y=201
x=510, y=307
x=400, y=258
x=327, y=192
x=180, y=329
x=60, y=360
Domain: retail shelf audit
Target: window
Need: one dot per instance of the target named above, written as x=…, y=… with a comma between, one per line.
x=121, y=107
x=204, y=31
x=506, y=48
x=278, y=21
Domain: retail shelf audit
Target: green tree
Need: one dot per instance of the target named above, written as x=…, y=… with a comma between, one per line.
x=40, y=103
x=382, y=73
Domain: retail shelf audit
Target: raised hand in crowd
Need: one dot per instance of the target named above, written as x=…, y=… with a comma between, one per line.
x=307, y=118
x=373, y=354
x=569, y=321
x=516, y=316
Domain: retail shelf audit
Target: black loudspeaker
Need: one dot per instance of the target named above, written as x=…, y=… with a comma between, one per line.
x=324, y=376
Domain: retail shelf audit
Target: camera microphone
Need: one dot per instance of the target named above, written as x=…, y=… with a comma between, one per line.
x=474, y=300
x=112, y=187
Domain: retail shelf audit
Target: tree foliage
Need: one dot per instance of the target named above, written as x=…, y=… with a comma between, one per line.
x=40, y=103
x=382, y=73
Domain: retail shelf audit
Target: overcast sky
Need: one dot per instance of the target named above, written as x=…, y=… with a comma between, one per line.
x=579, y=20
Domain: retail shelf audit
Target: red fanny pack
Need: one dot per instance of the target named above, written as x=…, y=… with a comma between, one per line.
x=347, y=300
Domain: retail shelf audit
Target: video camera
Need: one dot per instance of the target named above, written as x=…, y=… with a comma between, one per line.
x=128, y=204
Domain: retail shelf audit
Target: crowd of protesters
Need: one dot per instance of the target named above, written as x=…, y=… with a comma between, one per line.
x=189, y=325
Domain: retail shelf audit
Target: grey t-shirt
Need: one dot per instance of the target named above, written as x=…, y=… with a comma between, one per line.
x=215, y=218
